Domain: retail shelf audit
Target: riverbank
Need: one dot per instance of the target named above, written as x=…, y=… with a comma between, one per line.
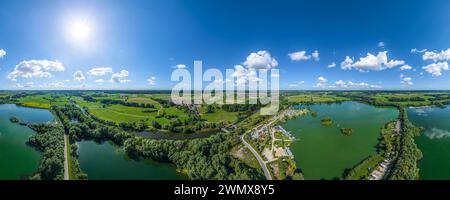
x=18, y=159
x=434, y=142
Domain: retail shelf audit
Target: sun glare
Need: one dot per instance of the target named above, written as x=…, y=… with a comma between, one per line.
x=80, y=30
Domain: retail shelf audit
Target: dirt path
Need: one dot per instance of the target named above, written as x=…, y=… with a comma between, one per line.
x=66, y=161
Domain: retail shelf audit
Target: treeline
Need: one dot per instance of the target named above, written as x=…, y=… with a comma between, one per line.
x=118, y=102
x=439, y=101
x=206, y=158
x=241, y=107
x=49, y=139
x=124, y=103
x=405, y=99
x=405, y=166
x=367, y=99
x=437, y=97
x=164, y=103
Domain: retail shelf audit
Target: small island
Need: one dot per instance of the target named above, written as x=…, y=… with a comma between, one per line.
x=313, y=114
x=14, y=120
x=327, y=121
x=347, y=131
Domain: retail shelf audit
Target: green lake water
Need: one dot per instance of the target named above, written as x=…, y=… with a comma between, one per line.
x=434, y=142
x=322, y=152
x=106, y=161
x=16, y=158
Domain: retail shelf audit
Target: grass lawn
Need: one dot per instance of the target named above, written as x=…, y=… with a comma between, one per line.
x=219, y=115
x=362, y=170
x=145, y=100
x=121, y=113
x=35, y=101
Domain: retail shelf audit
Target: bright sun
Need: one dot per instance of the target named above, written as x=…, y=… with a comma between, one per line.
x=80, y=30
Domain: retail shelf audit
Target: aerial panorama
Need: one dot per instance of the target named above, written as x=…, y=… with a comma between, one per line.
x=224, y=90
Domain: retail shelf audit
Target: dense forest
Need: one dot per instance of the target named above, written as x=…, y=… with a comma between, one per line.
x=206, y=158
x=405, y=167
x=49, y=139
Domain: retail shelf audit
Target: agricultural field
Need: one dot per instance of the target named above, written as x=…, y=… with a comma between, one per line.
x=412, y=99
x=35, y=101
x=144, y=100
x=119, y=113
x=218, y=115
x=2, y=95
x=315, y=98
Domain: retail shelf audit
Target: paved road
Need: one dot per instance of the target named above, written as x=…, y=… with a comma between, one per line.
x=66, y=162
x=258, y=157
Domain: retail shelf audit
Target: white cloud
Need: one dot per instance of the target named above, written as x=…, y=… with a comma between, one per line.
x=2, y=53
x=35, y=69
x=99, y=71
x=78, y=76
x=405, y=67
x=239, y=71
x=332, y=65
x=99, y=81
x=301, y=55
x=321, y=82
x=53, y=85
x=315, y=55
x=275, y=74
x=381, y=44
x=241, y=74
x=180, y=66
x=404, y=80
x=353, y=85
x=26, y=85
x=371, y=62
x=415, y=50
x=152, y=80
x=436, y=69
x=260, y=60
x=347, y=63
x=436, y=56
x=244, y=75
x=298, y=84
x=255, y=61
x=356, y=84
x=252, y=76
x=120, y=77
x=393, y=63
x=341, y=83
x=322, y=79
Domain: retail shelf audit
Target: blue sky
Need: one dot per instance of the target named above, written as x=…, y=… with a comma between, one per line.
x=137, y=44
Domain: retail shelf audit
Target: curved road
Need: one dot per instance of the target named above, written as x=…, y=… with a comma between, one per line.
x=258, y=157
